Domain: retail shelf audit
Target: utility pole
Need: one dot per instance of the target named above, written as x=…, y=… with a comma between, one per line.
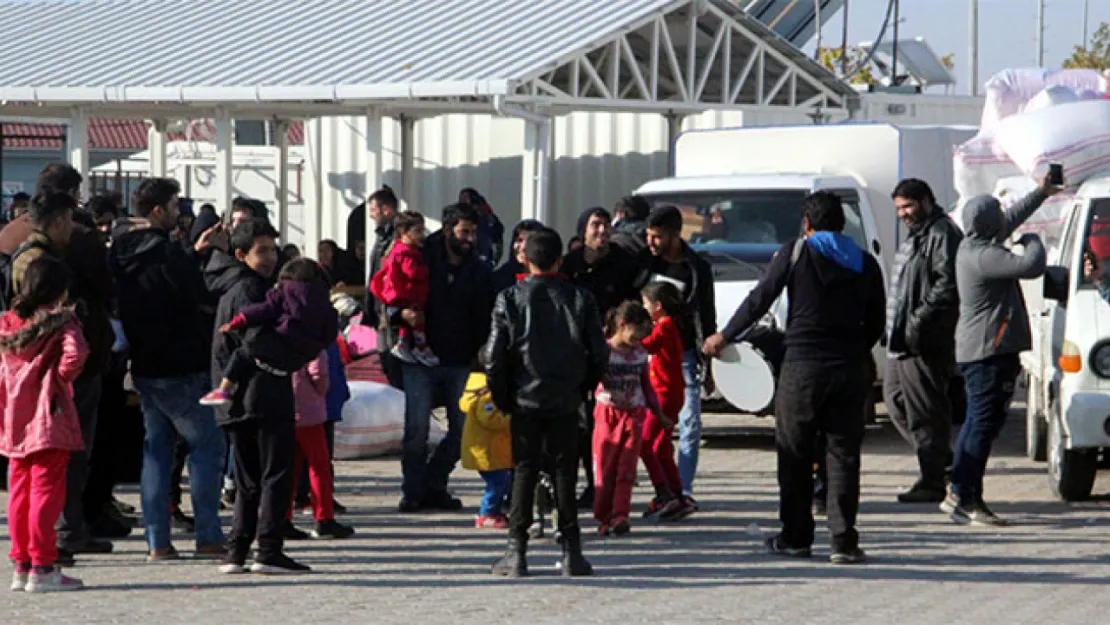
x=817, y=23
x=1086, y=20
x=973, y=48
x=844, y=44
x=894, y=49
x=1040, y=33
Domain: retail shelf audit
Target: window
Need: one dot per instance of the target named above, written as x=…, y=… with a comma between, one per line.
x=747, y=217
x=853, y=218
x=1097, y=241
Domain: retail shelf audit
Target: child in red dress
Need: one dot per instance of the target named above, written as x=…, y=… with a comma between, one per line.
x=403, y=282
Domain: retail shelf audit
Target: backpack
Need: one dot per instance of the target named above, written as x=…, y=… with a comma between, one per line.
x=7, y=292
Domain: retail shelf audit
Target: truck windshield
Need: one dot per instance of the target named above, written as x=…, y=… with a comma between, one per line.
x=763, y=217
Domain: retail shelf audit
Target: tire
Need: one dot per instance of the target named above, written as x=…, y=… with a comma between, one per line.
x=1071, y=472
x=1036, y=427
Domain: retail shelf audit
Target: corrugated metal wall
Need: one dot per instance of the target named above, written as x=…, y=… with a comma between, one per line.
x=597, y=157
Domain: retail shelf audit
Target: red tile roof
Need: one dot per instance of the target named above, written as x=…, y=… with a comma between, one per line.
x=104, y=134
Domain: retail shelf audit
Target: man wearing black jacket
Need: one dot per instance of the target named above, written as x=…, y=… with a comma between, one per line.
x=673, y=261
x=630, y=223
x=921, y=325
x=260, y=420
x=456, y=321
x=546, y=351
x=837, y=314
x=383, y=208
x=161, y=295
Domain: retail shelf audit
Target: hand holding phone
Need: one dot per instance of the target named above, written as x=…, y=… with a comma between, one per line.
x=1056, y=174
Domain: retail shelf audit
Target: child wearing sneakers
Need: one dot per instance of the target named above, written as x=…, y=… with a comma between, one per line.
x=403, y=282
x=284, y=332
x=622, y=401
x=487, y=447
x=43, y=351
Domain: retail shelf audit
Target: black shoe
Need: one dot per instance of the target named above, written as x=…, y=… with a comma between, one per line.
x=292, y=533
x=620, y=528
x=922, y=493
x=778, y=546
x=104, y=526
x=183, y=523
x=91, y=545
x=408, y=506
x=124, y=508
x=513, y=563
x=976, y=514
x=441, y=500
x=279, y=564
x=848, y=556
x=338, y=507
x=574, y=564
x=65, y=558
x=332, y=529
x=586, y=499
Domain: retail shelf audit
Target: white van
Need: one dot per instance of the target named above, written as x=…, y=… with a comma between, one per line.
x=1067, y=371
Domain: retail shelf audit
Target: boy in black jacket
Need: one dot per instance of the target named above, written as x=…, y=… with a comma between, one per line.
x=546, y=350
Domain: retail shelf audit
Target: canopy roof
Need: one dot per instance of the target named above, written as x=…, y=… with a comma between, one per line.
x=147, y=58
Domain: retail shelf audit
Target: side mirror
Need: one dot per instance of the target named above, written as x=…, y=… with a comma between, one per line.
x=878, y=247
x=1056, y=283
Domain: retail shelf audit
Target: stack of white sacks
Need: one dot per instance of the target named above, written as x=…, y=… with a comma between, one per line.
x=1034, y=117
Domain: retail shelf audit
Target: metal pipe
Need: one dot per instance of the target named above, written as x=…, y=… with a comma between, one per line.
x=817, y=23
x=894, y=46
x=973, y=48
x=1086, y=21
x=844, y=44
x=1040, y=33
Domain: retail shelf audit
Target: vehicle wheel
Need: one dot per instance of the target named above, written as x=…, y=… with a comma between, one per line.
x=1071, y=472
x=1036, y=428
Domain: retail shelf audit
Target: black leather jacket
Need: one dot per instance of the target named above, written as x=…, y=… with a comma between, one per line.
x=928, y=306
x=546, y=348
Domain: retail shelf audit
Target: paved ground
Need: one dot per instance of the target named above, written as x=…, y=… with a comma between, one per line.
x=1049, y=567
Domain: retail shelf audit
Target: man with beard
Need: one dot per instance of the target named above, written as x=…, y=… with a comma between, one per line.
x=611, y=275
x=922, y=308
x=382, y=205
x=673, y=261
x=456, y=321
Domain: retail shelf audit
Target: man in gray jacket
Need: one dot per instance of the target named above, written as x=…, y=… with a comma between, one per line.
x=993, y=329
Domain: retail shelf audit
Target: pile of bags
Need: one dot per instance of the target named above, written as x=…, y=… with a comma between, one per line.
x=1034, y=117
x=374, y=423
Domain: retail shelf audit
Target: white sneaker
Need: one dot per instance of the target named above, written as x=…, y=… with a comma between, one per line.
x=401, y=352
x=19, y=580
x=54, y=581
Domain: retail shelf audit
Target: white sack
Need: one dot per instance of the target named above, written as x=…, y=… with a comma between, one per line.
x=374, y=423
x=1076, y=135
x=1058, y=94
x=978, y=164
x=1008, y=91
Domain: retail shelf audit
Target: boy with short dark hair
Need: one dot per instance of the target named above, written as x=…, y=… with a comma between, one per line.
x=545, y=352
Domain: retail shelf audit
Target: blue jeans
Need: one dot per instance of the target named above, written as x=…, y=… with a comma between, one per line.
x=990, y=386
x=497, y=487
x=689, y=423
x=425, y=388
x=170, y=409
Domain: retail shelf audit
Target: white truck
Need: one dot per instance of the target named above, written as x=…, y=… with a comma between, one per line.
x=741, y=191
x=1067, y=371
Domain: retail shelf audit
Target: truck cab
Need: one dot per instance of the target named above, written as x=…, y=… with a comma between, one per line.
x=738, y=222
x=1067, y=371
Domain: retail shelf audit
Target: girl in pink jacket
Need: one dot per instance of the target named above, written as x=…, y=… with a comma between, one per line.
x=42, y=350
x=310, y=392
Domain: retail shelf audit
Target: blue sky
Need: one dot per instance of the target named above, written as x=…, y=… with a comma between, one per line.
x=1007, y=30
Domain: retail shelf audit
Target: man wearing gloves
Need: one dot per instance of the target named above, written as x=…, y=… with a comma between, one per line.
x=993, y=329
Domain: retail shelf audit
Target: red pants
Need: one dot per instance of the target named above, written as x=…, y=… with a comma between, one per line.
x=657, y=452
x=616, y=454
x=312, y=446
x=36, y=496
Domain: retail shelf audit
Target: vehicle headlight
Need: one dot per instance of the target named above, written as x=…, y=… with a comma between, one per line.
x=1100, y=359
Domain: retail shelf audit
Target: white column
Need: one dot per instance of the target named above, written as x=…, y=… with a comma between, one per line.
x=281, y=193
x=533, y=183
x=373, y=174
x=408, y=172
x=77, y=145
x=156, y=146
x=225, y=140
x=674, y=128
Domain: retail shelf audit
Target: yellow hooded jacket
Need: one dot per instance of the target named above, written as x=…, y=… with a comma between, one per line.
x=487, y=443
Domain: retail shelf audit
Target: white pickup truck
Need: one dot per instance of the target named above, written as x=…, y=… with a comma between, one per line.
x=741, y=190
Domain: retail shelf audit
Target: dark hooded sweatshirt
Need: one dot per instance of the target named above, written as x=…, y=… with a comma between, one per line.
x=837, y=302
x=161, y=294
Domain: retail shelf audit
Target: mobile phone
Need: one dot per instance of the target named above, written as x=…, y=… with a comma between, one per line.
x=1056, y=174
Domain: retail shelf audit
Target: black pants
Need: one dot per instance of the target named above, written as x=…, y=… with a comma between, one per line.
x=531, y=436
x=813, y=398
x=115, y=431
x=263, y=457
x=72, y=526
x=917, y=397
x=586, y=442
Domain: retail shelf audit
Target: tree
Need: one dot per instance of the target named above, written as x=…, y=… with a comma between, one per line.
x=831, y=59
x=1094, y=56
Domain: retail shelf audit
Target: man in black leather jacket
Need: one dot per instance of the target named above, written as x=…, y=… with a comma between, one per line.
x=546, y=351
x=922, y=309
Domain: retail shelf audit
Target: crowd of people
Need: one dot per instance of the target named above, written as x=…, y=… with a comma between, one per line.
x=594, y=353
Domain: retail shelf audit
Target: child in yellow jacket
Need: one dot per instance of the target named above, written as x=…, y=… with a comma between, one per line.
x=487, y=448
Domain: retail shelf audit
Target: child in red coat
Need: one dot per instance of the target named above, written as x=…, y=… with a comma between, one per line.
x=402, y=283
x=42, y=351
x=664, y=303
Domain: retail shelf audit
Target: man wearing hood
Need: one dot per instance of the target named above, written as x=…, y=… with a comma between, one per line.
x=993, y=329
x=921, y=320
x=630, y=223
x=837, y=314
x=612, y=276
x=161, y=295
